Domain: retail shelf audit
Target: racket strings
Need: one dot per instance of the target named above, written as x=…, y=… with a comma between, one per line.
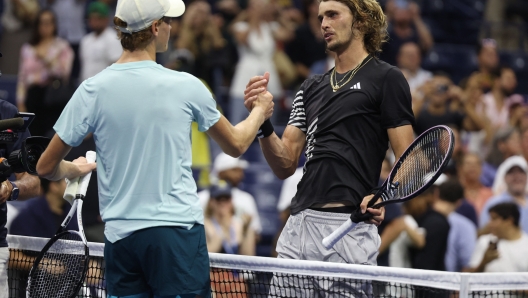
x=60, y=270
x=423, y=162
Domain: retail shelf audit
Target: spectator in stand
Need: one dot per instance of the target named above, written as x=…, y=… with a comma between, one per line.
x=100, y=48
x=431, y=256
x=516, y=179
x=488, y=61
x=496, y=104
x=506, y=143
x=462, y=232
x=231, y=169
x=434, y=108
x=505, y=249
x=405, y=25
x=225, y=231
x=45, y=59
x=469, y=171
x=256, y=37
x=403, y=232
x=308, y=45
x=42, y=216
x=409, y=61
x=203, y=40
x=71, y=16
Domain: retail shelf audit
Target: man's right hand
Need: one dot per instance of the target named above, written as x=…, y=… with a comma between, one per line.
x=256, y=85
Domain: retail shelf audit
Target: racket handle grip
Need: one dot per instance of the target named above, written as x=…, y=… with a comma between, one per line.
x=83, y=184
x=71, y=189
x=332, y=239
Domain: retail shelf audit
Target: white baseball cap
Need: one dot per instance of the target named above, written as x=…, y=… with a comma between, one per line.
x=515, y=161
x=139, y=14
x=224, y=162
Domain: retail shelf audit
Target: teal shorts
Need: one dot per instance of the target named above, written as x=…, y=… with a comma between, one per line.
x=159, y=262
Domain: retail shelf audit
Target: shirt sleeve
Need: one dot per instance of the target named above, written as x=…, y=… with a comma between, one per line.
x=204, y=108
x=298, y=115
x=478, y=253
x=396, y=100
x=76, y=120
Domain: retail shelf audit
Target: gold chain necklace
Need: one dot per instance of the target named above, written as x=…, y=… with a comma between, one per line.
x=336, y=86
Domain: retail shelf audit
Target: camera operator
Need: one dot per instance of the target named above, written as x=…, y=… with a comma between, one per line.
x=23, y=187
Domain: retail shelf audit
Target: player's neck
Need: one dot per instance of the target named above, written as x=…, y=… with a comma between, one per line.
x=351, y=57
x=149, y=53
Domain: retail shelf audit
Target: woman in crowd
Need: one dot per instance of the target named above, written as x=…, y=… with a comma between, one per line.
x=45, y=63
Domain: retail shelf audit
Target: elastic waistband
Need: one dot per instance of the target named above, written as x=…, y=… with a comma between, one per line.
x=321, y=217
x=341, y=209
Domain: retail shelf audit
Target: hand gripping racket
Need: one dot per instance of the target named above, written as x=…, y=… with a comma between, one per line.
x=416, y=170
x=60, y=268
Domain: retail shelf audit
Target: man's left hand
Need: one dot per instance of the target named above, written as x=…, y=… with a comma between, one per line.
x=378, y=214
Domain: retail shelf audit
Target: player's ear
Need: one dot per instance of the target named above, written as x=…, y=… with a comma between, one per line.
x=155, y=28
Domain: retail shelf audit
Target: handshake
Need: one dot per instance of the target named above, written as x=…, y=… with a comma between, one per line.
x=256, y=95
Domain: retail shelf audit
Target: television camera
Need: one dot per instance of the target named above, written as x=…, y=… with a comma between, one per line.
x=26, y=158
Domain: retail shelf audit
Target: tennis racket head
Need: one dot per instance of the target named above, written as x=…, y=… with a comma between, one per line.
x=60, y=268
x=418, y=167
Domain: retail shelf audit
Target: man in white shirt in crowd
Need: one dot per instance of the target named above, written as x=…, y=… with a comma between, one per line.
x=516, y=180
x=409, y=60
x=100, y=48
x=231, y=170
x=505, y=249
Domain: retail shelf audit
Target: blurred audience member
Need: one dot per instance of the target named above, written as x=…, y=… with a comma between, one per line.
x=202, y=39
x=434, y=109
x=323, y=65
x=506, y=143
x=478, y=132
x=516, y=178
x=45, y=62
x=469, y=171
x=224, y=230
x=231, y=170
x=462, y=232
x=42, y=216
x=488, y=61
x=308, y=45
x=431, y=256
x=100, y=48
x=71, y=16
x=496, y=104
x=256, y=38
x=403, y=233
x=505, y=249
x=409, y=61
x=405, y=25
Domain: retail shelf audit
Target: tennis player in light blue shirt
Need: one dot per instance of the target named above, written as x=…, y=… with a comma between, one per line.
x=140, y=115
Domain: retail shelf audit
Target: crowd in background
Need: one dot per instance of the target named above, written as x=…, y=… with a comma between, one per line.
x=475, y=218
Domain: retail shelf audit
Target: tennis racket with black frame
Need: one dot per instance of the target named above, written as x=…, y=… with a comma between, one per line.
x=417, y=169
x=60, y=268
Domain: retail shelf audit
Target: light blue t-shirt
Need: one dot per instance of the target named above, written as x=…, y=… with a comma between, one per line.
x=461, y=242
x=140, y=114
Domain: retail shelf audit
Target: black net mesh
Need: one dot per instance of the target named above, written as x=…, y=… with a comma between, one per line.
x=240, y=277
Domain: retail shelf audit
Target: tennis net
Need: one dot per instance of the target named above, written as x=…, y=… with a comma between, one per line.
x=234, y=276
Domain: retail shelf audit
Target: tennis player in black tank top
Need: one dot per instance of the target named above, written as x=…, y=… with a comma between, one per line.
x=346, y=119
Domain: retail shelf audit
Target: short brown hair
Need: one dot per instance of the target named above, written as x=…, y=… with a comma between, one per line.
x=371, y=20
x=136, y=40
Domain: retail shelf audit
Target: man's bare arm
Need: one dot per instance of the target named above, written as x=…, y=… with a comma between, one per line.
x=283, y=155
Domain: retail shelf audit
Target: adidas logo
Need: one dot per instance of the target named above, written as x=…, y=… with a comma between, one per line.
x=356, y=86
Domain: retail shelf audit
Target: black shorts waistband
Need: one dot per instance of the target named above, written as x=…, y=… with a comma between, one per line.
x=342, y=209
